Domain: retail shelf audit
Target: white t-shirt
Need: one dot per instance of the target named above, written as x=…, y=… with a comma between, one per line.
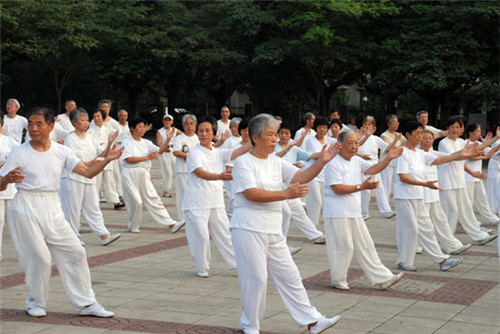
x=494, y=163
x=137, y=148
x=163, y=135
x=65, y=122
x=200, y=193
x=222, y=127
x=124, y=133
x=42, y=170
x=313, y=146
x=431, y=174
x=412, y=163
x=100, y=135
x=183, y=143
x=267, y=174
x=13, y=127
x=86, y=149
x=451, y=175
x=476, y=166
x=298, y=134
x=432, y=129
x=341, y=171
x=371, y=147
x=7, y=144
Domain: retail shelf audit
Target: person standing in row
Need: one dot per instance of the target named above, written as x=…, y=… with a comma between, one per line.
x=14, y=124
x=63, y=119
x=230, y=143
x=167, y=159
x=223, y=123
x=124, y=128
x=493, y=181
x=38, y=228
x=309, y=119
x=387, y=175
x=423, y=118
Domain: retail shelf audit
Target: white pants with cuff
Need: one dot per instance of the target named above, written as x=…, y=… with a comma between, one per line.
x=258, y=256
x=40, y=233
x=413, y=225
x=200, y=226
x=479, y=200
x=442, y=228
x=138, y=189
x=293, y=210
x=167, y=161
x=314, y=201
x=180, y=187
x=82, y=197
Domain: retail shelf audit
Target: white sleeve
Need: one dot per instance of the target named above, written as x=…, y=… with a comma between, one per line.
x=194, y=161
x=333, y=174
x=243, y=176
x=402, y=164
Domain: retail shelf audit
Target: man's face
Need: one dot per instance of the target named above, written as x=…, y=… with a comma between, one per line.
x=427, y=141
x=334, y=115
x=205, y=133
x=224, y=113
x=455, y=129
x=189, y=127
x=11, y=107
x=122, y=117
x=416, y=136
x=310, y=121
x=423, y=119
x=70, y=106
x=105, y=107
x=38, y=127
x=350, y=146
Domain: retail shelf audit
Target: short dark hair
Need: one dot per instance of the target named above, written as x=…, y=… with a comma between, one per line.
x=135, y=121
x=43, y=111
x=104, y=101
x=103, y=114
x=287, y=125
x=320, y=120
x=412, y=126
x=243, y=125
x=454, y=119
x=208, y=119
x=472, y=127
x=336, y=121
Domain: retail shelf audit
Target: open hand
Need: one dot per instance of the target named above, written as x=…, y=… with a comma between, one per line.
x=296, y=190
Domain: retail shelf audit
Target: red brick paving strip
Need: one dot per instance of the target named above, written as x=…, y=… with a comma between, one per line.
x=454, y=291
x=122, y=324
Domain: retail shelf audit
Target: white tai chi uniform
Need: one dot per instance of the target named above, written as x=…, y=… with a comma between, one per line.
x=104, y=180
x=314, y=199
x=477, y=193
x=298, y=134
x=13, y=127
x=371, y=147
x=222, y=127
x=7, y=144
x=137, y=185
x=346, y=233
x=260, y=246
x=182, y=143
x=387, y=175
x=65, y=122
x=413, y=223
x=39, y=230
x=231, y=143
x=293, y=208
x=167, y=160
x=204, y=208
x=493, y=181
x=454, y=198
x=79, y=193
x=431, y=198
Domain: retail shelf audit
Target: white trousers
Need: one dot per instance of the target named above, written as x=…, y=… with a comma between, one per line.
x=293, y=209
x=180, y=187
x=387, y=180
x=167, y=170
x=4, y=217
x=346, y=237
x=442, y=228
x=228, y=185
x=314, y=200
x=105, y=181
x=380, y=196
x=413, y=225
x=40, y=232
x=458, y=207
x=78, y=197
x=258, y=256
x=138, y=189
x=479, y=200
x=117, y=177
x=200, y=226
x=493, y=190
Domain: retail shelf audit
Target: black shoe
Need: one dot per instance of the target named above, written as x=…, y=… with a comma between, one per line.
x=119, y=205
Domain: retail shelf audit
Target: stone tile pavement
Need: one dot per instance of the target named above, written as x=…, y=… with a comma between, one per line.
x=149, y=281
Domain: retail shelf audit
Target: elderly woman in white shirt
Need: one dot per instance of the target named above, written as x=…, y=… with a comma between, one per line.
x=259, y=244
x=167, y=159
x=387, y=175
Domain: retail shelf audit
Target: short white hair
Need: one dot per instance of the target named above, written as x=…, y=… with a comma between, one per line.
x=15, y=101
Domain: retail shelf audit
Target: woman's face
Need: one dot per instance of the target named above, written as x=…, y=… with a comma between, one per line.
x=167, y=123
x=369, y=126
x=98, y=119
x=427, y=141
x=267, y=140
x=321, y=131
x=139, y=130
x=244, y=135
x=83, y=123
x=234, y=130
x=285, y=135
x=335, y=129
x=393, y=124
x=189, y=127
x=454, y=130
x=475, y=135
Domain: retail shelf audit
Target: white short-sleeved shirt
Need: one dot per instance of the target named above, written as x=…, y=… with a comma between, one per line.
x=412, y=163
x=494, y=163
x=124, y=132
x=267, y=174
x=476, y=166
x=199, y=193
x=298, y=134
x=451, y=175
x=13, y=127
x=371, y=147
x=100, y=135
x=42, y=170
x=432, y=129
x=183, y=143
x=222, y=127
x=86, y=149
x=342, y=171
x=431, y=174
x=313, y=146
x=7, y=144
x=65, y=122
x=137, y=148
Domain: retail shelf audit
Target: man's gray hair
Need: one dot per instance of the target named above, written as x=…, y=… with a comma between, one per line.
x=259, y=123
x=390, y=117
x=422, y=112
x=15, y=101
x=344, y=134
x=235, y=120
x=122, y=110
x=308, y=115
x=104, y=101
x=189, y=116
x=75, y=114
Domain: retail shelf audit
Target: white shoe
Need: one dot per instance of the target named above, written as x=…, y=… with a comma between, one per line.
x=110, y=239
x=96, y=310
x=82, y=243
x=177, y=226
x=323, y=324
x=202, y=274
x=366, y=216
x=341, y=287
x=394, y=279
x=461, y=249
x=36, y=311
x=419, y=250
x=389, y=214
x=294, y=250
x=485, y=229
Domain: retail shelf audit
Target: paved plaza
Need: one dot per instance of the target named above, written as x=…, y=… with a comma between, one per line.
x=149, y=281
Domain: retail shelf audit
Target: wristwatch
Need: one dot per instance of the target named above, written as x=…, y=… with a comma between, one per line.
x=358, y=187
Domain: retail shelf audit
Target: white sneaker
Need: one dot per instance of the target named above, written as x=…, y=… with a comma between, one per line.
x=366, y=216
x=294, y=250
x=177, y=226
x=110, y=239
x=134, y=230
x=394, y=279
x=323, y=324
x=202, y=274
x=96, y=310
x=36, y=311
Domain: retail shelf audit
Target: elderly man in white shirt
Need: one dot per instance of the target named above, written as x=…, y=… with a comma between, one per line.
x=14, y=124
